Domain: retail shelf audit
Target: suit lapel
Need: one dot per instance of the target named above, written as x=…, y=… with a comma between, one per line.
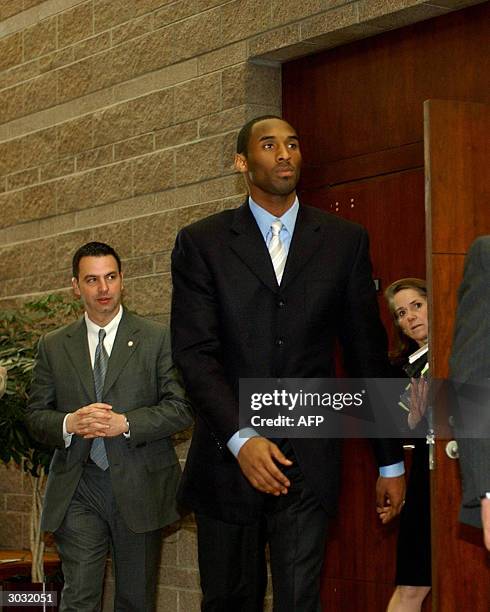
x=125, y=344
x=247, y=242
x=76, y=345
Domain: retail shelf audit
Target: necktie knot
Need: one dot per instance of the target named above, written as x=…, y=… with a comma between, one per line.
x=276, y=227
x=102, y=335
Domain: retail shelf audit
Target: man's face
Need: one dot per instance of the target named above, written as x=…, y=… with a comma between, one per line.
x=273, y=162
x=99, y=286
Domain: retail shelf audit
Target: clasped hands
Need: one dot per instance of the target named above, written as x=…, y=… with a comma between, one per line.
x=258, y=459
x=96, y=421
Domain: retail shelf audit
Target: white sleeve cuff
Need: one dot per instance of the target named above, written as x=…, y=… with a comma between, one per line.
x=239, y=438
x=393, y=470
x=66, y=436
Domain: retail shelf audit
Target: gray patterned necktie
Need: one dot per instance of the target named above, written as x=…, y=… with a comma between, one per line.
x=97, y=450
x=277, y=250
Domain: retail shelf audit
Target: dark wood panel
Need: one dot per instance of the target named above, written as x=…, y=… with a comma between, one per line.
x=367, y=96
x=458, y=157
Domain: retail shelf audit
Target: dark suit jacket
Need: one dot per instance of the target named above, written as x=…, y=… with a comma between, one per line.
x=140, y=382
x=470, y=372
x=230, y=319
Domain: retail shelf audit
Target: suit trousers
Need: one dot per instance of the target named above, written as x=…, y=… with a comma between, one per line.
x=232, y=557
x=92, y=526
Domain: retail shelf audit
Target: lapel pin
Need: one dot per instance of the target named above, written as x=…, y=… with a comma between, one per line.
x=130, y=343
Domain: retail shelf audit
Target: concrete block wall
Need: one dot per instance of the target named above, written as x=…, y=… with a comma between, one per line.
x=118, y=120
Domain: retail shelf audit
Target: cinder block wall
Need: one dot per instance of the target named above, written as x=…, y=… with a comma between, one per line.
x=117, y=122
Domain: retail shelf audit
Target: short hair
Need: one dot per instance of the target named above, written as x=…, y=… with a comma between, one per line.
x=404, y=345
x=244, y=134
x=93, y=249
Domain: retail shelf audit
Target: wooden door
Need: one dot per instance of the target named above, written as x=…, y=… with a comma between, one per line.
x=457, y=145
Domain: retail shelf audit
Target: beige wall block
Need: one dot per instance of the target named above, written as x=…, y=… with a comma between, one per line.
x=30, y=3
x=112, y=124
x=154, y=172
x=95, y=158
x=20, y=73
x=11, y=207
x=66, y=245
x=75, y=136
x=75, y=192
x=10, y=51
x=197, y=34
x=10, y=156
x=251, y=84
x=274, y=40
x=195, y=98
x=162, y=261
x=189, y=601
x=76, y=80
x=176, y=11
x=191, y=214
x=75, y=25
x=118, y=235
x=39, y=258
x=40, y=93
x=9, y=8
x=225, y=187
x=223, y=122
x=139, y=266
x=58, y=168
x=57, y=280
x=199, y=161
x=23, y=179
x=57, y=59
x=39, y=147
x=154, y=233
x=223, y=57
x=149, y=295
x=39, y=202
x=108, y=13
x=11, y=103
x=176, y=135
x=113, y=183
x=283, y=12
x=390, y=14
x=153, y=111
x=57, y=225
x=139, y=145
x=132, y=29
x=40, y=39
x=151, y=52
x=187, y=547
x=92, y=45
x=330, y=21
x=10, y=529
x=91, y=217
x=243, y=18
x=10, y=263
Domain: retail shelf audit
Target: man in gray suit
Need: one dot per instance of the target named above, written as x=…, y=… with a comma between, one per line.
x=105, y=394
x=470, y=372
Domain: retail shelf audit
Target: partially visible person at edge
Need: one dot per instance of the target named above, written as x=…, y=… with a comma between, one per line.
x=106, y=396
x=407, y=302
x=3, y=380
x=470, y=374
x=263, y=291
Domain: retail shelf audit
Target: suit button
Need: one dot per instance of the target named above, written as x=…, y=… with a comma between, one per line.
x=279, y=341
x=281, y=303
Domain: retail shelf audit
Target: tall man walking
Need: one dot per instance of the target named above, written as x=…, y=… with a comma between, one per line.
x=264, y=291
x=106, y=395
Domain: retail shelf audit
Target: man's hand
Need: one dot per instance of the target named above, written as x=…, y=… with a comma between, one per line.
x=485, y=519
x=96, y=421
x=390, y=497
x=257, y=459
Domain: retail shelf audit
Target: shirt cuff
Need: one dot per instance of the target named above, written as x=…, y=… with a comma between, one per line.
x=239, y=438
x=66, y=436
x=393, y=470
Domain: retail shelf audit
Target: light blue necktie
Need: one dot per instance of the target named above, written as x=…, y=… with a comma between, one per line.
x=97, y=450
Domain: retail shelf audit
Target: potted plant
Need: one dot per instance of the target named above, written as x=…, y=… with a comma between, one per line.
x=20, y=331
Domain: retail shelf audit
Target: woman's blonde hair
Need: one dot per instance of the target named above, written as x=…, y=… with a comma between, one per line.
x=404, y=345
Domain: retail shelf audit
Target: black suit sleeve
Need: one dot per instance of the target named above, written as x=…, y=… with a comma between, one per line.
x=196, y=339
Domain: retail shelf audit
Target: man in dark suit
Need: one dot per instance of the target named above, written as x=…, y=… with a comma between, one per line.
x=470, y=372
x=263, y=291
x=106, y=395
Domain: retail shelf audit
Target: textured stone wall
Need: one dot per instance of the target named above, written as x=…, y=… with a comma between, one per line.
x=117, y=122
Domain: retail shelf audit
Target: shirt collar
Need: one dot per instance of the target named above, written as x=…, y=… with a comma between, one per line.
x=110, y=327
x=264, y=217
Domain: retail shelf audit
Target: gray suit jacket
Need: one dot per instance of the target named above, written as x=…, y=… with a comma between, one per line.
x=470, y=365
x=140, y=382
